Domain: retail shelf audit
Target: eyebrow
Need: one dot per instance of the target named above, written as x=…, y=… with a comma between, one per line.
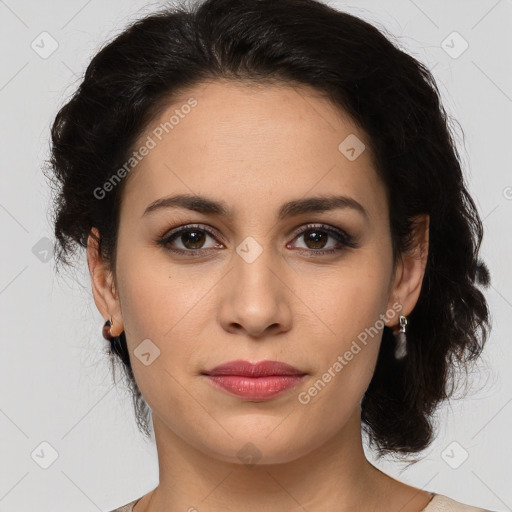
x=292, y=208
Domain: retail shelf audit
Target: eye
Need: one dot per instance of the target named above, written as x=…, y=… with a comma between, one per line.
x=192, y=239
x=316, y=236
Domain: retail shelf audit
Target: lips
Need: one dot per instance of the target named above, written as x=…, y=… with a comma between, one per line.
x=260, y=369
x=255, y=381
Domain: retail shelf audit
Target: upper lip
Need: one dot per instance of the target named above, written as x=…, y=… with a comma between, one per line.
x=259, y=369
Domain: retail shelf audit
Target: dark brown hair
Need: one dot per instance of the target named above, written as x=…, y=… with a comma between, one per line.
x=389, y=94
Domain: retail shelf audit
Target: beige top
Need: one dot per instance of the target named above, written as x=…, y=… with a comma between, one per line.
x=439, y=503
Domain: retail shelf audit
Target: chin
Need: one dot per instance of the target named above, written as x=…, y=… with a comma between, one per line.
x=257, y=450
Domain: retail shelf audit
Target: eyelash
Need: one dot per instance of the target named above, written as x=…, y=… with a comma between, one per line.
x=342, y=238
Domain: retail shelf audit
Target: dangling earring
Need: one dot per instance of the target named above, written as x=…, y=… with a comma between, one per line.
x=401, y=339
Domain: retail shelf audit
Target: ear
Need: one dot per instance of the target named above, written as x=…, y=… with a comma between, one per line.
x=103, y=285
x=408, y=277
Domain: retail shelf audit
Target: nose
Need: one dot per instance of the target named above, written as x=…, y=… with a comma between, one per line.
x=256, y=296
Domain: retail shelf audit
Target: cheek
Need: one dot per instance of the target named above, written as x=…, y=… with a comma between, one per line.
x=157, y=296
x=345, y=303
x=345, y=357
x=156, y=307
x=169, y=306
x=348, y=328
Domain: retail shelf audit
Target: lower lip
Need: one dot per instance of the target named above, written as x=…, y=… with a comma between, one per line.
x=255, y=388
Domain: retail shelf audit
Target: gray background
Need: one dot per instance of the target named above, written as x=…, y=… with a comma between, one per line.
x=56, y=385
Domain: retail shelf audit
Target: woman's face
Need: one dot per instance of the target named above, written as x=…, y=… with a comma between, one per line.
x=256, y=286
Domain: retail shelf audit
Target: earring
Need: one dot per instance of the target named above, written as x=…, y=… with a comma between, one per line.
x=116, y=345
x=401, y=340
x=106, y=329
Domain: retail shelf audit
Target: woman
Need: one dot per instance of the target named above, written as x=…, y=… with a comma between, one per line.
x=281, y=242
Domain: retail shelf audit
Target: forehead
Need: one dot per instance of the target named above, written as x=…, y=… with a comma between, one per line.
x=248, y=143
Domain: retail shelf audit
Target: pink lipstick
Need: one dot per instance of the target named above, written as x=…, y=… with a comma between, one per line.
x=255, y=381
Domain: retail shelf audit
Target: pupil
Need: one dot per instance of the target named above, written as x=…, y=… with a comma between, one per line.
x=316, y=235
x=191, y=235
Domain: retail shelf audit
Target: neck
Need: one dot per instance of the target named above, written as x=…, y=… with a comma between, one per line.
x=334, y=475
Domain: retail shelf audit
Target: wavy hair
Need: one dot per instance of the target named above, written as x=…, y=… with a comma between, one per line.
x=390, y=95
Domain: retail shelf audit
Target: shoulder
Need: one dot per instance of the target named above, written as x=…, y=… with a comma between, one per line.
x=128, y=507
x=441, y=503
